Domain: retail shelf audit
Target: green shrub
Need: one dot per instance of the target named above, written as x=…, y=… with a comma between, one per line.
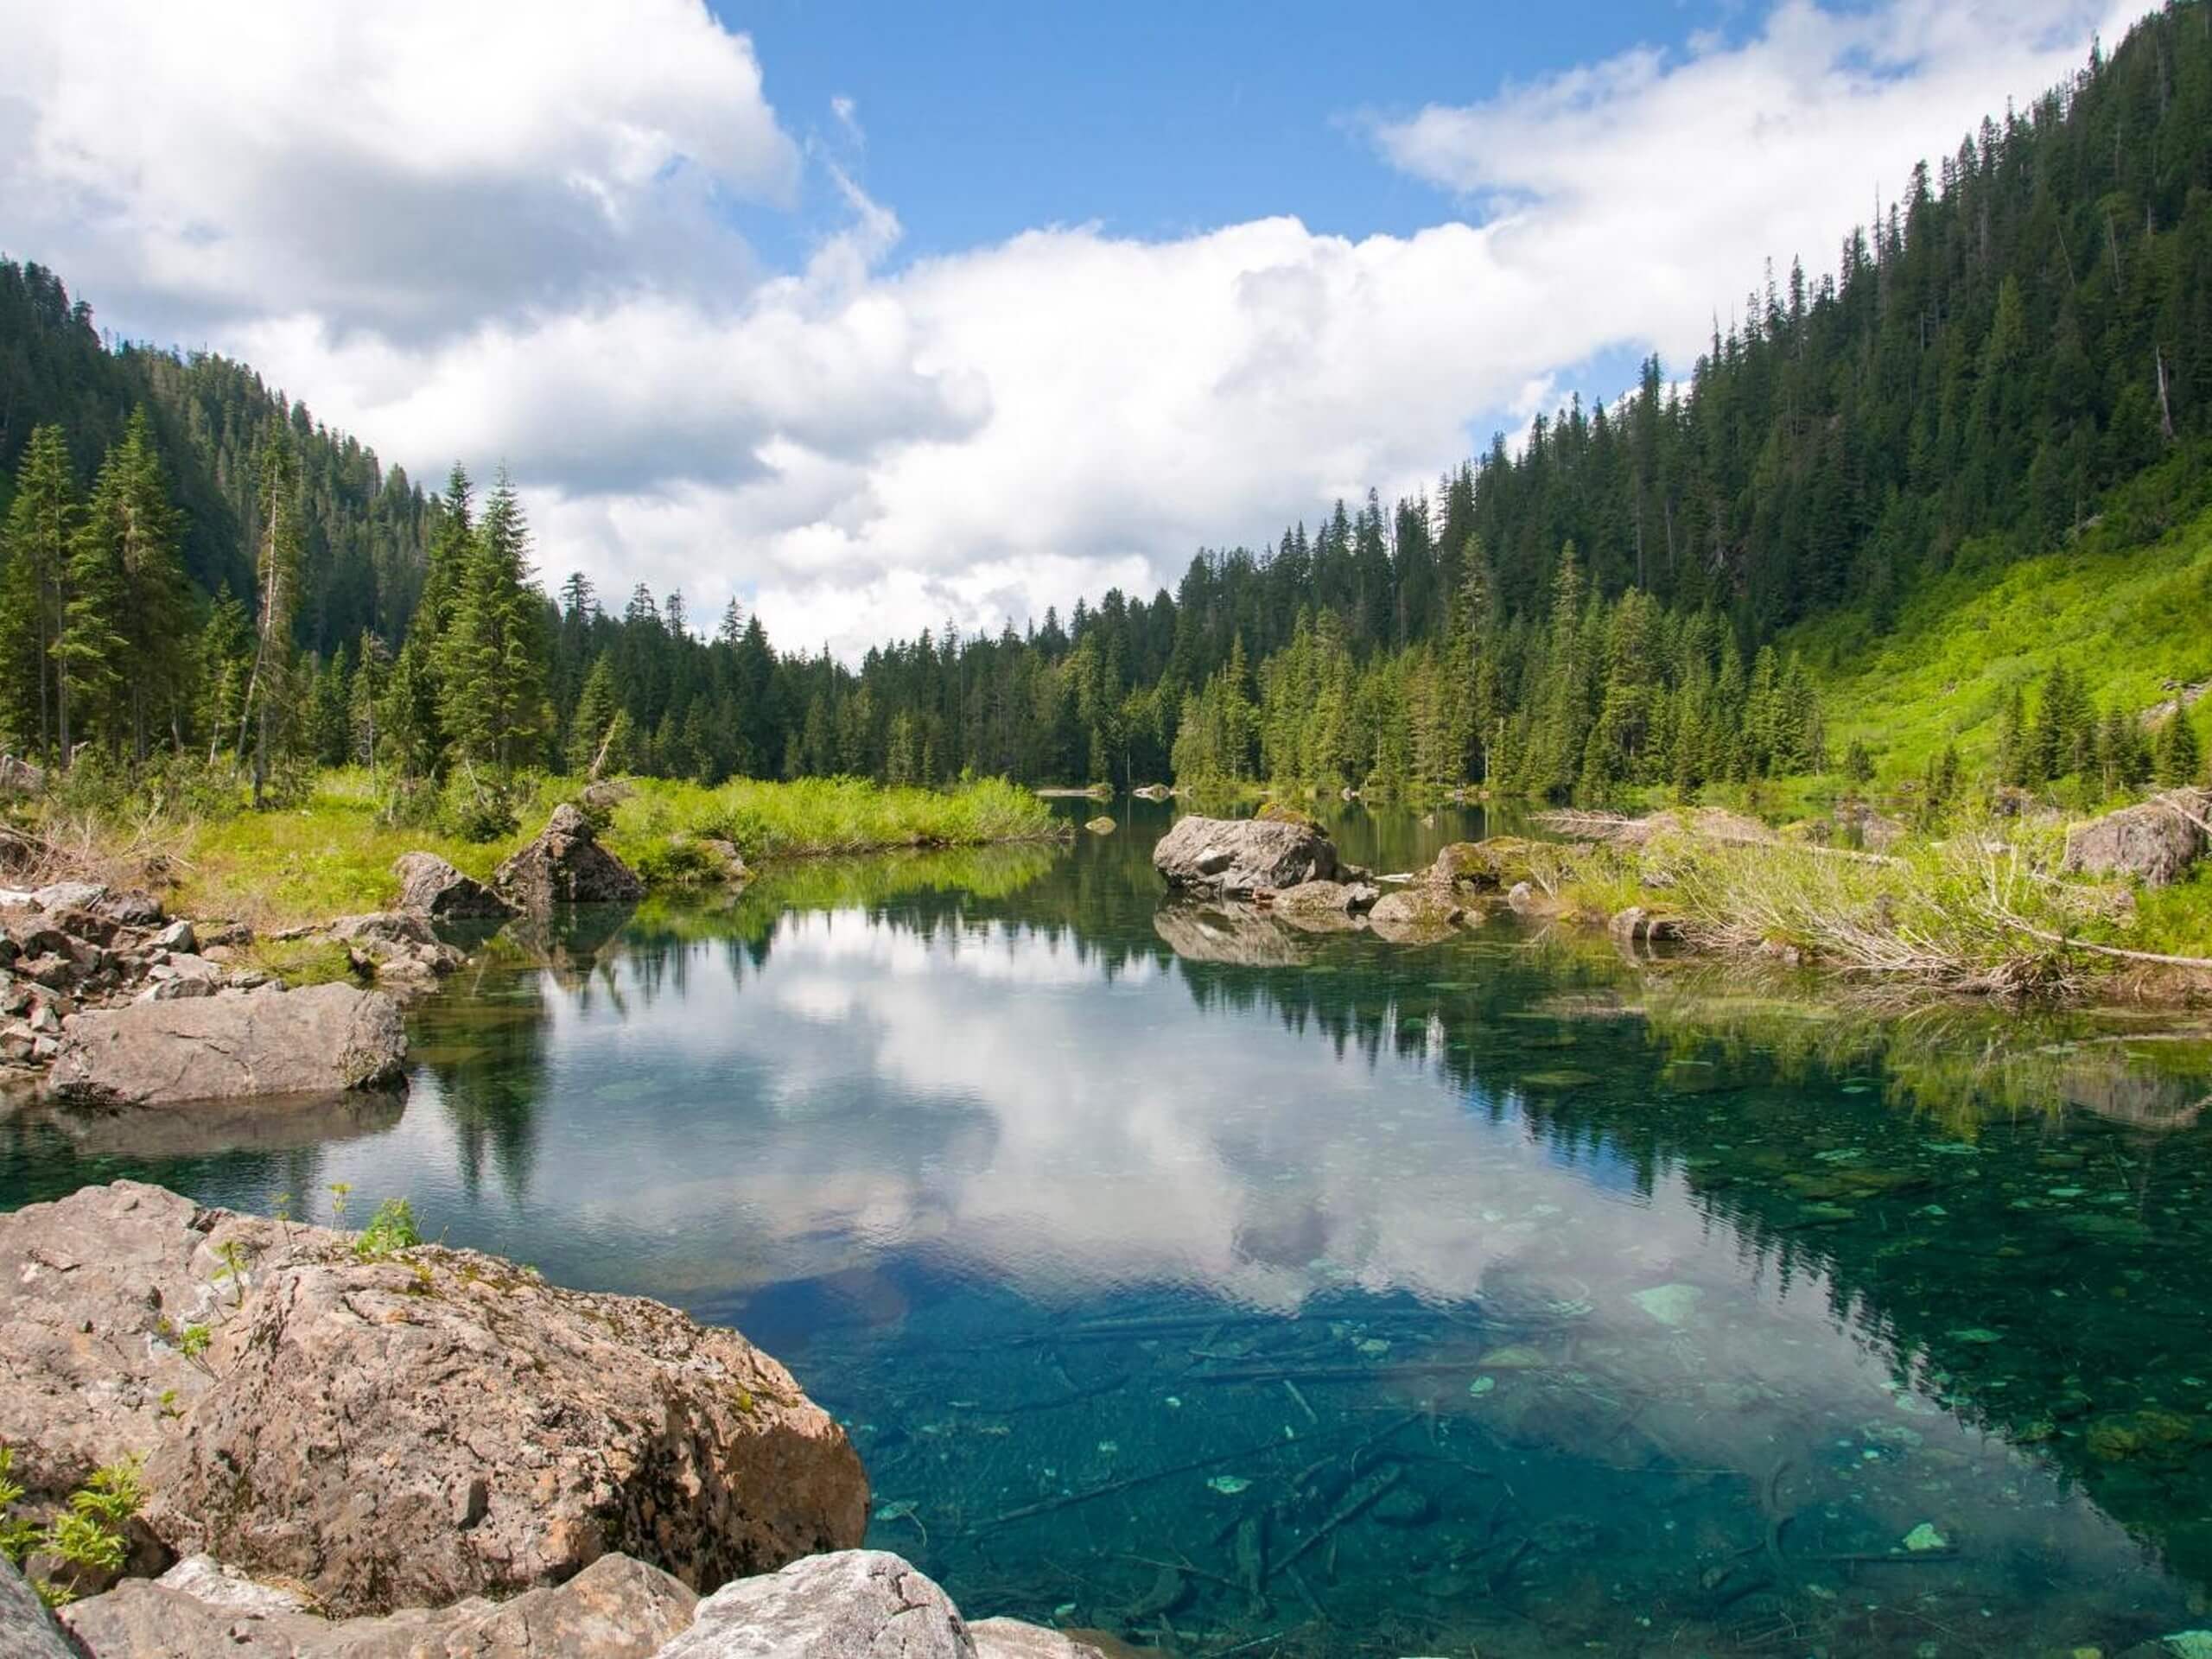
x=390, y=1230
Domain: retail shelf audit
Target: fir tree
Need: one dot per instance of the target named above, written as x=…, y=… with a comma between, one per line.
x=491, y=660
x=41, y=531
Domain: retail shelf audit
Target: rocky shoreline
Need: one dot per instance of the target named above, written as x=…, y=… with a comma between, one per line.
x=1244, y=889
x=354, y=1446
x=116, y=1003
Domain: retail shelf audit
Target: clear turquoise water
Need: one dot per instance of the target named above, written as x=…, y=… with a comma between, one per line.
x=1235, y=1290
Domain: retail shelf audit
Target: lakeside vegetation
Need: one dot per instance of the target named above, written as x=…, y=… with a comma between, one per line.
x=330, y=851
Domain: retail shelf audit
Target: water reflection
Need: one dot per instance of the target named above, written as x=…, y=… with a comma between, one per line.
x=1480, y=1293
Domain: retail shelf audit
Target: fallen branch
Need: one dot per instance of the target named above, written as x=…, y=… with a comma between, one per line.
x=1065, y=1500
x=2159, y=957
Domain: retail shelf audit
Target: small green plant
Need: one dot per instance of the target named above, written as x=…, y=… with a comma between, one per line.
x=191, y=1341
x=88, y=1537
x=284, y=1207
x=390, y=1230
x=169, y=1405
x=18, y=1537
x=233, y=1268
x=337, y=1192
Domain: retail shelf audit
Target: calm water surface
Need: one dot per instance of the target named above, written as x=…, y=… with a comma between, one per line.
x=1237, y=1290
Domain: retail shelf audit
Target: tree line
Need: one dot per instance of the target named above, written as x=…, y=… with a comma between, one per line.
x=1605, y=605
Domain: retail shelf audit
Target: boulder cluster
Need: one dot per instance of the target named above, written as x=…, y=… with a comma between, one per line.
x=76, y=945
x=1239, y=882
x=126, y=1005
x=356, y=1448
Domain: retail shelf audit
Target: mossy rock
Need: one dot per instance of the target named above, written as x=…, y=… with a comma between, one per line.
x=1497, y=863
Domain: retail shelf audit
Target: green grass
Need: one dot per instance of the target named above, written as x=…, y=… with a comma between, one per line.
x=332, y=854
x=2126, y=614
x=815, y=816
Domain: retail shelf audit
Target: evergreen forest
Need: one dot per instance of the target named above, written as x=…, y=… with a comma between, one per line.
x=2016, y=355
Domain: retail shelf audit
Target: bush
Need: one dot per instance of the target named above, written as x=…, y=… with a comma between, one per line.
x=479, y=809
x=390, y=1230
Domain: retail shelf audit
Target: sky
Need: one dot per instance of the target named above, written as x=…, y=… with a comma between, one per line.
x=876, y=317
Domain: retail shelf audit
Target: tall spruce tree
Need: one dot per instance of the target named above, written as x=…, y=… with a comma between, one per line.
x=491, y=657
x=41, y=531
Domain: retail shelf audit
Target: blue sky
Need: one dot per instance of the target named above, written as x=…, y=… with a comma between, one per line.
x=1063, y=294
x=1154, y=119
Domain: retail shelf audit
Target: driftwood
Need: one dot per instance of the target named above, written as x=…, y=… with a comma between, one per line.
x=1356, y=1503
x=1067, y=1500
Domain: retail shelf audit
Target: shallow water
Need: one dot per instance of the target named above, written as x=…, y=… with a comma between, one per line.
x=1237, y=1290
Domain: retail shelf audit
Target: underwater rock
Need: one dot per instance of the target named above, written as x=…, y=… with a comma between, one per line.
x=1102, y=825
x=1402, y=1507
x=1671, y=1305
x=1925, y=1537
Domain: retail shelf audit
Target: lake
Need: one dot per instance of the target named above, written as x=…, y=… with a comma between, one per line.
x=1237, y=1290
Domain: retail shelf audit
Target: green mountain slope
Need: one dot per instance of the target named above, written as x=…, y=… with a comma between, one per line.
x=2127, y=609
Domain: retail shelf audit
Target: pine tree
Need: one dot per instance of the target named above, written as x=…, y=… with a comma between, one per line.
x=491, y=658
x=363, y=697
x=41, y=531
x=223, y=661
x=595, y=711
x=2179, y=757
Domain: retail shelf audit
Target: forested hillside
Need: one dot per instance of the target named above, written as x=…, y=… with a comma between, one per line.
x=2013, y=365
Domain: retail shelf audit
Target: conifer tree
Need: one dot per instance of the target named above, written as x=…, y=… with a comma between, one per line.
x=2179, y=757
x=595, y=717
x=491, y=658
x=41, y=531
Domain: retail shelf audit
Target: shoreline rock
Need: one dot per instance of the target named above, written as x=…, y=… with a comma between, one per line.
x=851, y=1604
x=1237, y=857
x=319, y=1039
x=565, y=866
x=431, y=885
x=397, y=1431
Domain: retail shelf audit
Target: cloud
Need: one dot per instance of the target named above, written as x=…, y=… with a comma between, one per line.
x=405, y=169
x=539, y=267
x=1647, y=191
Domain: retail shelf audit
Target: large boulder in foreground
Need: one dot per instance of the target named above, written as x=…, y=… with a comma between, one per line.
x=430, y=884
x=398, y=1432
x=853, y=1605
x=1237, y=857
x=616, y=1608
x=859, y=1604
x=320, y=1039
x=2156, y=842
x=566, y=866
